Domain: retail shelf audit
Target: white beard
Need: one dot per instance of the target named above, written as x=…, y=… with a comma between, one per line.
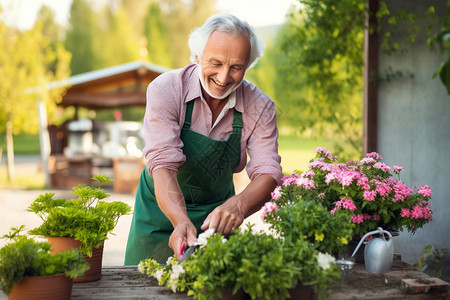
x=205, y=86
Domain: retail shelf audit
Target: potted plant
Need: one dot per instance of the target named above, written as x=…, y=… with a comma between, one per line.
x=29, y=271
x=365, y=189
x=84, y=222
x=292, y=217
x=257, y=264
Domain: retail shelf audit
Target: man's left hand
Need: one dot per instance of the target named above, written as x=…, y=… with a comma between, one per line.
x=226, y=217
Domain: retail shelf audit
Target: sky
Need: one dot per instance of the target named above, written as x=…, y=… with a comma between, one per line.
x=22, y=13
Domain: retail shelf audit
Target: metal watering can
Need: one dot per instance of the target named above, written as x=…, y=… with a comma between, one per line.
x=378, y=253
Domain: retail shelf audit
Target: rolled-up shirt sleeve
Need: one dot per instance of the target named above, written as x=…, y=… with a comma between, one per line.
x=262, y=145
x=163, y=146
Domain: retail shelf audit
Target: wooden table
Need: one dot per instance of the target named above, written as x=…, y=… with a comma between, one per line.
x=128, y=283
x=119, y=283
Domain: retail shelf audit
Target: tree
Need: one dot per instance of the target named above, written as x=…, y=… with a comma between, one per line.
x=320, y=74
x=80, y=38
x=181, y=17
x=156, y=36
x=25, y=63
x=118, y=42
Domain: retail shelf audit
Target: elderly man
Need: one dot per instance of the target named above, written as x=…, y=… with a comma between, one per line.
x=200, y=123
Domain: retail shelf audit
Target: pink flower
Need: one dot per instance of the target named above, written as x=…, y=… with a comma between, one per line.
x=425, y=191
x=357, y=219
x=325, y=152
x=375, y=155
x=376, y=217
x=402, y=192
x=368, y=160
x=276, y=194
x=369, y=195
x=267, y=208
x=321, y=195
x=398, y=169
x=288, y=180
x=405, y=213
x=346, y=177
x=382, y=189
x=382, y=166
x=306, y=183
x=347, y=203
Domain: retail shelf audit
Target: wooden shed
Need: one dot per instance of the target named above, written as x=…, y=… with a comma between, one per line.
x=115, y=87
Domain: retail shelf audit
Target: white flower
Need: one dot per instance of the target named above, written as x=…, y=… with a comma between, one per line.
x=324, y=260
x=159, y=274
x=224, y=241
x=169, y=259
x=177, y=270
x=141, y=267
x=202, y=237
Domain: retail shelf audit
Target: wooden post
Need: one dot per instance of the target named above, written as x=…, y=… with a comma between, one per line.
x=44, y=139
x=370, y=112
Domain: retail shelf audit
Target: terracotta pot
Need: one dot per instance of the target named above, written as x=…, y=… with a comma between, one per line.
x=303, y=292
x=228, y=295
x=55, y=287
x=94, y=273
x=300, y=292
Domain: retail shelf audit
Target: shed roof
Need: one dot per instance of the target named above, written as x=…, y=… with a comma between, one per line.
x=118, y=86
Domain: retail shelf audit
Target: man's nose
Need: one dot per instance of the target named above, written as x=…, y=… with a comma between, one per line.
x=223, y=75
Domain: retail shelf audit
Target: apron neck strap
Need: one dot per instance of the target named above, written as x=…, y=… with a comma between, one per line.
x=237, y=121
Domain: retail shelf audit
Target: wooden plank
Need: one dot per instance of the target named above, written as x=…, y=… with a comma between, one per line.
x=423, y=285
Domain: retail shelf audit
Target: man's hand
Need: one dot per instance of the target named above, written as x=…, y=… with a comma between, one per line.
x=183, y=236
x=226, y=217
x=230, y=215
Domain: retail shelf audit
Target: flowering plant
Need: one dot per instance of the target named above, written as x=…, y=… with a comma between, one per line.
x=257, y=264
x=364, y=189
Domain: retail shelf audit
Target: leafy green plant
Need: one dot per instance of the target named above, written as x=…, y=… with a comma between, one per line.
x=23, y=256
x=259, y=264
x=430, y=260
x=309, y=220
x=87, y=218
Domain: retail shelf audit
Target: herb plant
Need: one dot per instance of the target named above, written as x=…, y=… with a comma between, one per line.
x=23, y=256
x=259, y=264
x=310, y=221
x=87, y=218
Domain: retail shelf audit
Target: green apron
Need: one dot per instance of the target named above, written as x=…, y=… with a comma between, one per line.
x=206, y=180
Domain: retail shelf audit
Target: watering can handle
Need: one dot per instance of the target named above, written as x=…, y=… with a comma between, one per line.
x=379, y=230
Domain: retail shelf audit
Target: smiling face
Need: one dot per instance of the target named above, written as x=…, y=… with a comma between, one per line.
x=223, y=64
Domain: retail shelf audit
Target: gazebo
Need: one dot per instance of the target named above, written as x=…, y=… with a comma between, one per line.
x=115, y=87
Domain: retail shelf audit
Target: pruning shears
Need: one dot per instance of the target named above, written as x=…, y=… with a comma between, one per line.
x=189, y=251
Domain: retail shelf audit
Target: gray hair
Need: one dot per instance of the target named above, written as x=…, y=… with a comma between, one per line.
x=229, y=24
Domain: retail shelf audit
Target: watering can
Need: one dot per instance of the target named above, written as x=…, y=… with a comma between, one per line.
x=378, y=253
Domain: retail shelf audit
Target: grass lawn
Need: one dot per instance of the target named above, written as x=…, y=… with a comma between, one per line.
x=23, y=144
x=296, y=152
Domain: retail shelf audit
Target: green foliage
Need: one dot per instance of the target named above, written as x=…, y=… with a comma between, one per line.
x=430, y=261
x=87, y=218
x=319, y=82
x=263, y=266
x=310, y=221
x=156, y=33
x=23, y=256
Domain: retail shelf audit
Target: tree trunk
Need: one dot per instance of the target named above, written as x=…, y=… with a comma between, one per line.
x=10, y=151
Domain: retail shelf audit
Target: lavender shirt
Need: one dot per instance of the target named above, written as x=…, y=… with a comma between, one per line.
x=165, y=114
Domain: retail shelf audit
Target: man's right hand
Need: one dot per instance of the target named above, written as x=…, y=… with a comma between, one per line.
x=183, y=236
